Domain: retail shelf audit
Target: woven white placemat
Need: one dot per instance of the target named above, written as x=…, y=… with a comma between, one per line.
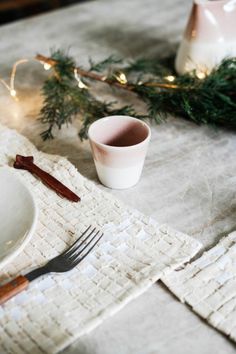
x=134, y=252
x=208, y=285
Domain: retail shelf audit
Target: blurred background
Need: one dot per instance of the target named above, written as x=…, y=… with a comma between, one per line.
x=12, y=10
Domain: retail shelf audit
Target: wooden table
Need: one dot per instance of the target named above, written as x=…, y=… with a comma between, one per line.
x=189, y=176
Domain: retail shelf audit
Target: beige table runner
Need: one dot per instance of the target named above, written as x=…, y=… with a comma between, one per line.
x=208, y=285
x=133, y=254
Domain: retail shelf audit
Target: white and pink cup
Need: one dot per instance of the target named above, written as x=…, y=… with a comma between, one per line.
x=119, y=145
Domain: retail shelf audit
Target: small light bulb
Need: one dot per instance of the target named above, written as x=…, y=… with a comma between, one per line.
x=47, y=66
x=13, y=93
x=170, y=78
x=121, y=78
x=200, y=75
x=82, y=85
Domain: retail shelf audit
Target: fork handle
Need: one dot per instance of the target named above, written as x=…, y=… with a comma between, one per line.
x=12, y=288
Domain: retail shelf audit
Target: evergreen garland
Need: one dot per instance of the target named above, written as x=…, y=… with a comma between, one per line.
x=211, y=100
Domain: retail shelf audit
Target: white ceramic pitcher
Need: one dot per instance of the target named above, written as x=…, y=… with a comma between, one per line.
x=210, y=36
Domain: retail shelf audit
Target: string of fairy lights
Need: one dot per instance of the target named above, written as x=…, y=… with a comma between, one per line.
x=11, y=86
x=119, y=76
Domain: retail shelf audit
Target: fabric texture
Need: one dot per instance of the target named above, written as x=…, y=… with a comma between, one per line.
x=134, y=252
x=208, y=285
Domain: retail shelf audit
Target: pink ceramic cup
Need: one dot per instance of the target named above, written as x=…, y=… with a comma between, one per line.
x=119, y=145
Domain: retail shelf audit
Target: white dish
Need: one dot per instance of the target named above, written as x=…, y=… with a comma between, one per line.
x=18, y=214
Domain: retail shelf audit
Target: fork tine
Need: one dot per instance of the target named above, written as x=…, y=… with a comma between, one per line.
x=79, y=259
x=75, y=254
x=77, y=244
x=66, y=261
x=73, y=244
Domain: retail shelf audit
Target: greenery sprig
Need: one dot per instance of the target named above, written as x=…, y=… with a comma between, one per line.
x=201, y=98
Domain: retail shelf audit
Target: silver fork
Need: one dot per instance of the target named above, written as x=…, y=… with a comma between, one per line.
x=64, y=262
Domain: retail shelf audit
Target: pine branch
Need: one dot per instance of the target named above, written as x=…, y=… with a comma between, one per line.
x=95, y=77
x=149, y=66
x=63, y=100
x=211, y=100
x=104, y=64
